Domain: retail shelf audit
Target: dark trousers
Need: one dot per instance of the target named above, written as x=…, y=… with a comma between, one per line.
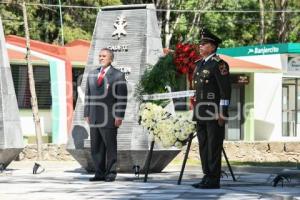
x=104, y=151
x=210, y=137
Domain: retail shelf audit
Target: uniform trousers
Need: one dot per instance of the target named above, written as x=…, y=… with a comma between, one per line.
x=210, y=137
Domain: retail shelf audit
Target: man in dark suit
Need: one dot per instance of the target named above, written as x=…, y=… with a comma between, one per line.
x=104, y=110
x=213, y=90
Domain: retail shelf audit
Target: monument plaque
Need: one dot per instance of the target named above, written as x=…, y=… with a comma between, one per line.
x=132, y=33
x=11, y=138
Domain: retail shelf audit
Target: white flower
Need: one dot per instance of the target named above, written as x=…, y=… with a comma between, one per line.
x=166, y=129
x=178, y=145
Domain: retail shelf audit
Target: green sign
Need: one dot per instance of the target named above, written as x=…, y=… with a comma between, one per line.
x=261, y=49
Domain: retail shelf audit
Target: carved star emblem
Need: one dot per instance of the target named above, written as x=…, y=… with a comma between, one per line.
x=120, y=25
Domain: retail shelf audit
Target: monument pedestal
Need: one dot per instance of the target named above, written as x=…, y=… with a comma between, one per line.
x=11, y=138
x=7, y=155
x=133, y=34
x=128, y=158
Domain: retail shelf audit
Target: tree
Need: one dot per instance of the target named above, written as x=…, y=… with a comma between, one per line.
x=286, y=22
x=79, y=22
x=273, y=20
x=44, y=20
x=281, y=23
x=262, y=21
x=34, y=102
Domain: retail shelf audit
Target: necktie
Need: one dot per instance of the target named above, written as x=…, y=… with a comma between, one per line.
x=101, y=77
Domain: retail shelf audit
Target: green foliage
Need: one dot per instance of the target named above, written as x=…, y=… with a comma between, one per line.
x=235, y=28
x=44, y=21
x=156, y=78
x=12, y=19
x=71, y=34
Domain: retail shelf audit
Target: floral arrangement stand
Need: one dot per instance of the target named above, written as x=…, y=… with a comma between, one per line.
x=186, y=155
x=191, y=137
x=169, y=130
x=148, y=161
x=228, y=164
x=165, y=129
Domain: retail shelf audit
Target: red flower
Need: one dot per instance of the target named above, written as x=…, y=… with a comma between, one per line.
x=185, y=57
x=186, y=61
x=186, y=48
x=184, y=70
x=179, y=46
x=192, y=54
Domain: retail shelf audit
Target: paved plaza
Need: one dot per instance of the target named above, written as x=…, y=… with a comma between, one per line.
x=66, y=180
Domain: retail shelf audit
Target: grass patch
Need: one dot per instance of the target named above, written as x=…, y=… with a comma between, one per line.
x=239, y=163
x=263, y=164
x=188, y=162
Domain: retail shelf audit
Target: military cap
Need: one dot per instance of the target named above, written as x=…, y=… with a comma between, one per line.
x=207, y=36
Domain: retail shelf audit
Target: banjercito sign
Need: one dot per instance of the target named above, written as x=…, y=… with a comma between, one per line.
x=256, y=50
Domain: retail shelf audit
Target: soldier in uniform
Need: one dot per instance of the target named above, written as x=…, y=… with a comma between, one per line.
x=213, y=89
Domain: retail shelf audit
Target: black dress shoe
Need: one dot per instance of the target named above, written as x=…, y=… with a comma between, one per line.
x=110, y=179
x=196, y=185
x=209, y=183
x=203, y=181
x=210, y=186
x=97, y=179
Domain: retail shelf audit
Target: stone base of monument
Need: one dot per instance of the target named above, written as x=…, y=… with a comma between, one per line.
x=132, y=32
x=8, y=155
x=11, y=139
x=127, y=159
x=83, y=157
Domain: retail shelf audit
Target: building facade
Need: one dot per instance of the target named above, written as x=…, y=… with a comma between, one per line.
x=273, y=95
x=56, y=72
x=265, y=89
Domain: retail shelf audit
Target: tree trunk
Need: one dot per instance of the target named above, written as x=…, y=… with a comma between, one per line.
x=61, y=24
x=34, y=105
x=169, y=30
x=192, y=30
x=167, y=25
x=262, y=21
x=195, y=27
x=281, y=27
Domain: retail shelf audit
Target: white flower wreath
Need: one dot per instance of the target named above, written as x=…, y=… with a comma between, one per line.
x=169, y=130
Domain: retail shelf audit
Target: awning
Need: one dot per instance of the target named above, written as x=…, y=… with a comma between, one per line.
x=237, y=66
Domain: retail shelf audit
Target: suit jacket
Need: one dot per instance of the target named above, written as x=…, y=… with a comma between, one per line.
x=106, y=102
x=213, y=88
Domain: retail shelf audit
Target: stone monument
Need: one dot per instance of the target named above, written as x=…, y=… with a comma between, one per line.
x=11, y=138
x=132, y=33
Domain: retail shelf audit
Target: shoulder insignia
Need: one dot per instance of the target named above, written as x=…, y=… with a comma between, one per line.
x=216, y=58
x=223, y=69
x=197, y=60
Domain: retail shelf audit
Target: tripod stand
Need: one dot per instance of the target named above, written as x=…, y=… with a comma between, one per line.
x=191, y=137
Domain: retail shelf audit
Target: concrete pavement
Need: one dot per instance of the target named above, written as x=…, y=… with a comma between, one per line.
x=66, y=180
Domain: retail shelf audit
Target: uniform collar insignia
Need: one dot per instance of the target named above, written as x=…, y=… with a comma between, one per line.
x=198, y=60
x=216, y=58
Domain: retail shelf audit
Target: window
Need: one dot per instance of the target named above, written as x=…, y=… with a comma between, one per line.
x=290, y=107
x=77, y=74
x=42, y=85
